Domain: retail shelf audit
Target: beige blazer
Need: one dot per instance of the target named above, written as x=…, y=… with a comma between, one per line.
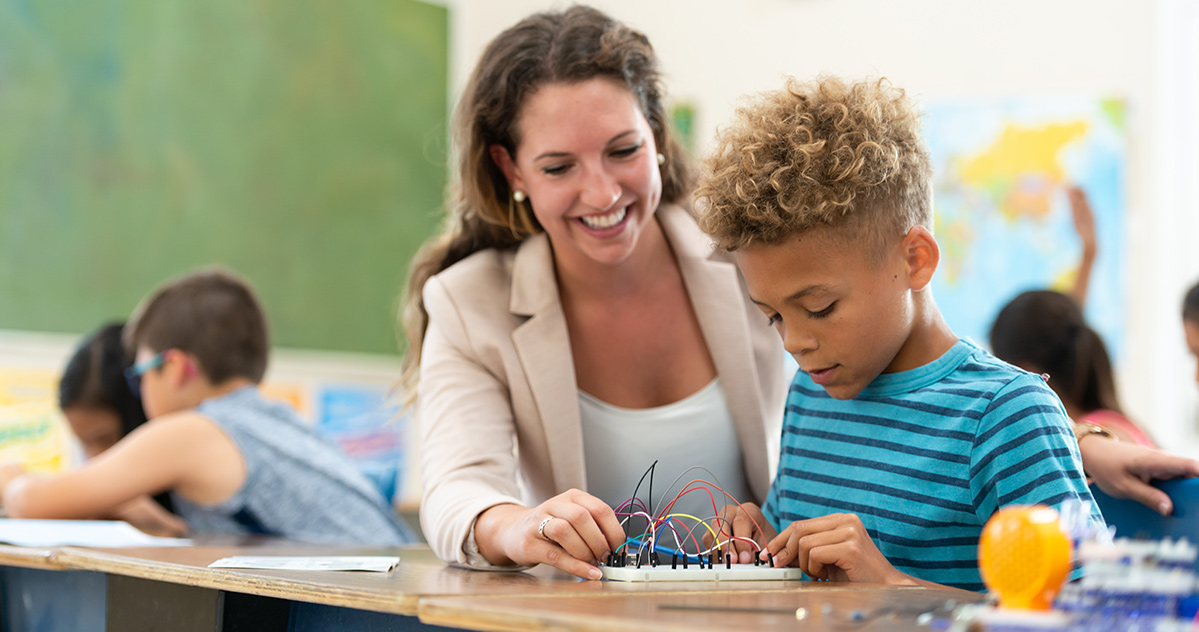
x=497, y=397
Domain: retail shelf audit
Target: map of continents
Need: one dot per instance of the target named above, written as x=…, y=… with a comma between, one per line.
x=1002, y=217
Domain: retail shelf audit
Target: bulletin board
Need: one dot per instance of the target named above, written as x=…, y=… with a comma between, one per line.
x=302, y=144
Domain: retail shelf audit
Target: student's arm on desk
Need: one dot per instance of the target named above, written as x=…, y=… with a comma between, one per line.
x=185, y=452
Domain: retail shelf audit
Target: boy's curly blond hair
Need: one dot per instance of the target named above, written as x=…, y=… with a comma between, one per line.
x=825, y=152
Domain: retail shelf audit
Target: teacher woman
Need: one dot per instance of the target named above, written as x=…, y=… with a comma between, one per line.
x=572, y=324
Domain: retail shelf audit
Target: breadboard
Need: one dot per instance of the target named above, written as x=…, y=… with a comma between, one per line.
x=738, y=572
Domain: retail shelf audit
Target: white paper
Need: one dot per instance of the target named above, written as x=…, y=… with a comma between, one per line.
x=376, y=563
x=94, y=533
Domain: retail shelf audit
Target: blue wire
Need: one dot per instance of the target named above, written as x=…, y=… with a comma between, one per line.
x=659, y=549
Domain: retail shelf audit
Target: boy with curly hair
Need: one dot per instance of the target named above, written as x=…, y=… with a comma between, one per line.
x=899, y=439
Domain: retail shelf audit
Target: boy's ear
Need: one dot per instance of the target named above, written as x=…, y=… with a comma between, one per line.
x=187, y=366
x=503, y=160
x=921, y=255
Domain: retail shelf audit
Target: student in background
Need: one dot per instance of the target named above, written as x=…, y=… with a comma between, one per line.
x=900, y=439
x=1044, y=332
x=234, y=462
x=1190, y=323
x=101, y=409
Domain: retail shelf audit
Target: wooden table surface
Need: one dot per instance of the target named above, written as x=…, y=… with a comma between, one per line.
x=821, y=606
x=30, y=557
x=419, y=575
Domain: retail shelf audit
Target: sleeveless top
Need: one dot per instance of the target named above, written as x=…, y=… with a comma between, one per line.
x=298, y=484
x=620, y=444
x=1112, y=420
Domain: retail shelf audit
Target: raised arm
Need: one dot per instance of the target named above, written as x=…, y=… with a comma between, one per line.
x=1084, y=225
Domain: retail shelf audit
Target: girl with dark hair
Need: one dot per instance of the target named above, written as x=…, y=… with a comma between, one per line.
x=101, y=409
x=1045, y=332
x=93, y=394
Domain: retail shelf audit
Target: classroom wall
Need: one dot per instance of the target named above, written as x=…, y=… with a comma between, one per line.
x=713, y=51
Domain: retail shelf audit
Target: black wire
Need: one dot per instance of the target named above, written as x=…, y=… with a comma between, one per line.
x=636, y=489
x=650, y=504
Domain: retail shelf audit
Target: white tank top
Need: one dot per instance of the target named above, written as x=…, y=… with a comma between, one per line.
x=619, y=444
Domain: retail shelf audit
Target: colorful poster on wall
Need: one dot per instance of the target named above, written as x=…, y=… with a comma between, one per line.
x=32, y=430
x=1002, y=216
x=290, y=393
x=368, y=427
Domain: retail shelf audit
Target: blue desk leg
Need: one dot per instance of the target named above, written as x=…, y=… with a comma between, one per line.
x=143, y=604
x=310, y=617
x=52, y=601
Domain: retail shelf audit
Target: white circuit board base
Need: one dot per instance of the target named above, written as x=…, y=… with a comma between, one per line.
x=664, y=573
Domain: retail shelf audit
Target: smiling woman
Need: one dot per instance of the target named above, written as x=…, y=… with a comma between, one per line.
x=571, y=304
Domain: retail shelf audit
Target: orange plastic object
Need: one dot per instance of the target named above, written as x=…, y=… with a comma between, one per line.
x=1024, y=555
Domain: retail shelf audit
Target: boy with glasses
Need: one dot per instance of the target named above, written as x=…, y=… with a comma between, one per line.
x=232, y=461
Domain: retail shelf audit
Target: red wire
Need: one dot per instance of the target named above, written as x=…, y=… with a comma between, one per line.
x=687, y=488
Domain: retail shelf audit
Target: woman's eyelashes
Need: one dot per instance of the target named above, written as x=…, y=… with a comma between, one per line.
x=625, y=152
x=774, y=320
x=622, y=153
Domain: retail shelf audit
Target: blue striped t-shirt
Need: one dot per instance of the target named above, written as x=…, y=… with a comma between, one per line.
x=924, y=457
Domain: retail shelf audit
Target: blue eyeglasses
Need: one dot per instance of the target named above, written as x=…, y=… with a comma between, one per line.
x=133, y=375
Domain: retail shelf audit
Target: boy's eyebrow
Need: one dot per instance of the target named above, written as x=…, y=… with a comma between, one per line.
x=560, y=154
x=819, y=287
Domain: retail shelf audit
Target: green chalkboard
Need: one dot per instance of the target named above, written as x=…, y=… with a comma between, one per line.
x=301, y=143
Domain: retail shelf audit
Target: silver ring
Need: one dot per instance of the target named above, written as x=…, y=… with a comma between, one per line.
x=541, y=529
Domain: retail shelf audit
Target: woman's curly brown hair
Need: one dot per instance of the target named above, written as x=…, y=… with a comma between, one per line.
x=825, y=152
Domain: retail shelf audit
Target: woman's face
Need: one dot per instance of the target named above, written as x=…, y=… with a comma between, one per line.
x=1191, y=328
x=98, y=428
x=587, y=161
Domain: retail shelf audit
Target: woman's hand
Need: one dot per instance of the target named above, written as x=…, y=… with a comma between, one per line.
x=571, y=532
x=746, y=521
x=1123, y=470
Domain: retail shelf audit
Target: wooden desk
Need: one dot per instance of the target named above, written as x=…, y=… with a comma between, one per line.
x=28, y=557
x=419, y=575
x=825, y=607
x=173, y=589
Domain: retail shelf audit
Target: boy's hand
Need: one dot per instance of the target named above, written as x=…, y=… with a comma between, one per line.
x=834, y=547
x=149, y=517
x=740, y=522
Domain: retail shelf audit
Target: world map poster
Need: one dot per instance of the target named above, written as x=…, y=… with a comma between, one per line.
x=1003, y=219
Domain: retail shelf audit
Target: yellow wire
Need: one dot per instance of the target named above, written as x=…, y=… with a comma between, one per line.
x=682, y=515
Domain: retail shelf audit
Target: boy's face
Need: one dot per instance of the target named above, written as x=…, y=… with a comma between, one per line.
x=158, y=394
x=1192, y=333
x=844, y=315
